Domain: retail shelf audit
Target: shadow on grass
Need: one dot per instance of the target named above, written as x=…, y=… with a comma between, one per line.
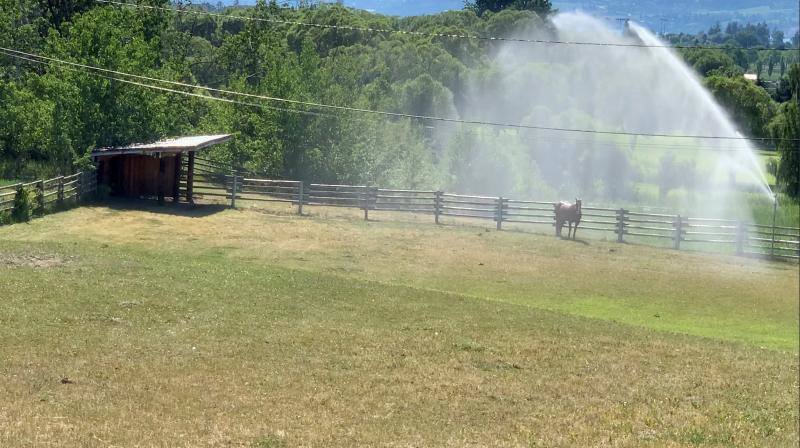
x=584, y=242
x=168, y=208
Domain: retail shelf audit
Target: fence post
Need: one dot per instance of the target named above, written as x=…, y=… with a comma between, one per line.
x=498, y=214
x=233, y=190
x=555, y=218
x=774, y=212
x=620, y=225
x=740, y=236
x=676, y=239
x=79, y=188
x=40, y=196
x=365, y=202
x=60, y=196
x=300, y=199
x=437, y=205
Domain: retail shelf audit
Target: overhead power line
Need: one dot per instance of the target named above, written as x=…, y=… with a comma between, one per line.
x=424, y=34
x=592, y=143
x=14, y=52
x=164, y=89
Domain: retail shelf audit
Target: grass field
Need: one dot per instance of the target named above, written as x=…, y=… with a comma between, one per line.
x=122, y=327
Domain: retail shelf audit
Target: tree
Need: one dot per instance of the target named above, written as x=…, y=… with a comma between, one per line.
x=770, y=63
x=750, y=106
x=707, y=61
x=778, y=39
x=60, y=11
x=540, y=7
x=785, y=127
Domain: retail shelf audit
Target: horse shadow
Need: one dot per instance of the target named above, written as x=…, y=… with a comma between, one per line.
x=584, y=242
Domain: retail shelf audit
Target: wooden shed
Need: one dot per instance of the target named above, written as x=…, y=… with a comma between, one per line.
x=152, y=169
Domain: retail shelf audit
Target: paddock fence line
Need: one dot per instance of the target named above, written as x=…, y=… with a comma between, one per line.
x=216, y=180
x=47, y=195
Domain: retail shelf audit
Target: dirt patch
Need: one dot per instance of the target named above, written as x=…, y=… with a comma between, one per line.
x=41, y=261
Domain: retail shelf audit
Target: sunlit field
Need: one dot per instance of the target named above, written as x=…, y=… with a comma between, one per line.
x=217, y=327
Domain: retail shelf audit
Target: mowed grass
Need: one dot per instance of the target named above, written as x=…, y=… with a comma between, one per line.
x=245, y=328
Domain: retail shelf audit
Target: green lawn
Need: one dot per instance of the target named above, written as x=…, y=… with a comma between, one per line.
x=258, y=328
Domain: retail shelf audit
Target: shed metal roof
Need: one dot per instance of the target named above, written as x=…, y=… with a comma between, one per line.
x=171, y=146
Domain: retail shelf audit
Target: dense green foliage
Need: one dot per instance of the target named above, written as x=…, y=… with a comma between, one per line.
x=737, y=51
x=786, y=126
x=750, y=106
x=541, y=7
x=53, y=115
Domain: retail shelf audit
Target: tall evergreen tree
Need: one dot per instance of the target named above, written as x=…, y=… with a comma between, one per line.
x=540, y=7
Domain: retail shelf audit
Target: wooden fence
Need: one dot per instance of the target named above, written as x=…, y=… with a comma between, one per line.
x=50, y=194
x=742, y=238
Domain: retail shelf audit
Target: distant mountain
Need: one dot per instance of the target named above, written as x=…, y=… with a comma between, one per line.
x=388, y=7
x=688, y=16
x=406, y=7
x=691, y=16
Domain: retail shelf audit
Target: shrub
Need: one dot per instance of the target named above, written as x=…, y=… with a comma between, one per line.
x=23, y=209
x=39, y=194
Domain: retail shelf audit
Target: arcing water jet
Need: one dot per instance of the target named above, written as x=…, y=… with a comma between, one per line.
x=635, y=90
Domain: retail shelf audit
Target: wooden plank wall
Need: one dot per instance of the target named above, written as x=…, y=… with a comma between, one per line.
x=137, y=176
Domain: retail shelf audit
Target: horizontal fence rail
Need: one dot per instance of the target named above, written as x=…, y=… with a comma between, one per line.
x=45, y=195
x=216, y=181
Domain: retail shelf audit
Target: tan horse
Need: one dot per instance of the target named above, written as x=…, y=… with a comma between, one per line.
x=569, y=213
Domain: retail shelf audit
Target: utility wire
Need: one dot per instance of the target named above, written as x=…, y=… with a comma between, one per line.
x=181, y=92
x=395, y=114
x=606, y=144
x=437, y=35
x=593, y=143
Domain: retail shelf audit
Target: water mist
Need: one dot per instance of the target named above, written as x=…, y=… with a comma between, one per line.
x=636, y=90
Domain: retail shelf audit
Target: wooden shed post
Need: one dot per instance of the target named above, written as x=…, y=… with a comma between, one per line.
x=190, y=179
x=162, y=168
x=176, y=181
